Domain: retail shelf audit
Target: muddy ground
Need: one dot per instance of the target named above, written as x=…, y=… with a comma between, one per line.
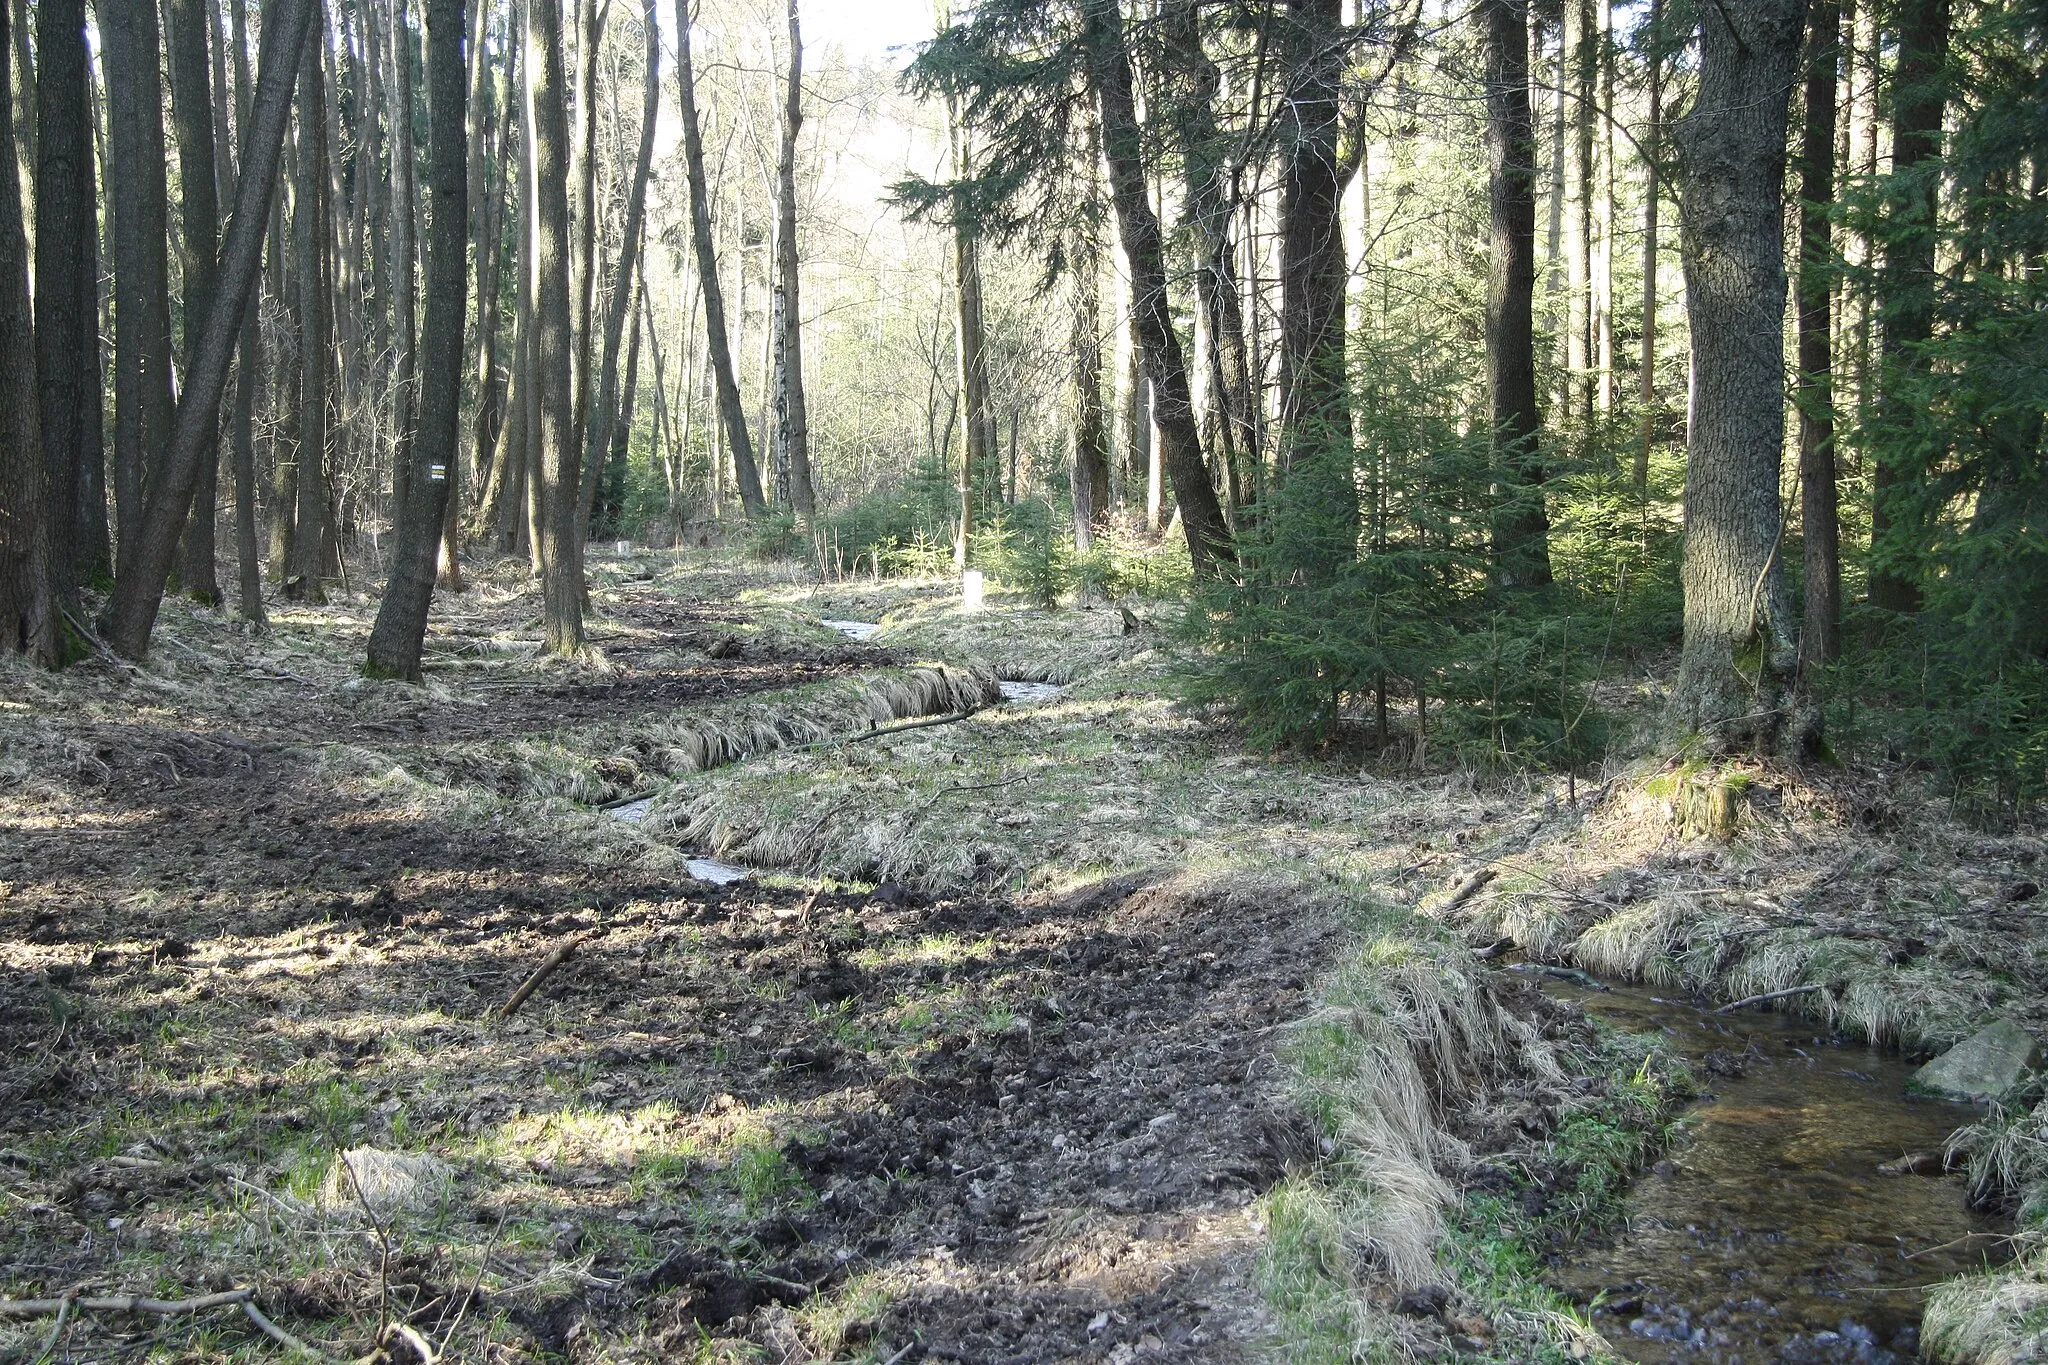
x=853, y=1123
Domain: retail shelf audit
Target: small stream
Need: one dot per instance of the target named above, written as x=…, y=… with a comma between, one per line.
x=1768, y=1232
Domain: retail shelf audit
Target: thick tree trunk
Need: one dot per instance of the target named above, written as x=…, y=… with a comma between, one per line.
x=1732, y=149
x=1173, y=403
x=1906, y=298
x=67, y=281
x=404, y=254
x=732, y=415
x=598, y=447
x=142, y=310
x=316, y=351
x=558, y=544
x=792, y=412
x=132, y=612
x=199, y=214
x=1820, y=636
x=28, y=607
x=394, y=648
x=1521, y=527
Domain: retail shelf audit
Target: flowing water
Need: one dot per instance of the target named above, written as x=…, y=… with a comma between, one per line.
x=1768, y=1232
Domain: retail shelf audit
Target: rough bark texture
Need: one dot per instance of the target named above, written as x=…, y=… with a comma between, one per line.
x=1820, y=635
x=732, y=414
x=316, y=353
x=1906, y=298
x=199, y=215
x=1087, y=425
x=28, y=610
x=1740, y=640
x=249, y=368
x=142, y=309
x=1173, y=409
x=605, y=417
x=132, y=612
x=394, y=648
x=404, y=255
x=590, y=26
x=561, y=566
x=792, y=412
x=1521, y=528
x=67, y=279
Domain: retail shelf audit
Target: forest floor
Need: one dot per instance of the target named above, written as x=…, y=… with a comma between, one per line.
x=1064, y=1031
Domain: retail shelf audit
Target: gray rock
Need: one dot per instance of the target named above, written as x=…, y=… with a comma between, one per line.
x=1981, y=1067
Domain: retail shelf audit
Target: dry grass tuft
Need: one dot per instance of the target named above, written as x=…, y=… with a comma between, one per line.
x=1997, y=1318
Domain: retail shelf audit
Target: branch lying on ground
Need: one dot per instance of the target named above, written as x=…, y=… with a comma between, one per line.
x=885, y=730
x=1766, y=998
x=243, y=1298
x=541, y=973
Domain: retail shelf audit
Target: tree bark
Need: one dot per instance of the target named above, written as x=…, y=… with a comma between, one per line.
x=590, y=25
x=1820, y=636
x=404, y=255
x=1653, y=138
x=792, y=415
x=67, y=282
x=1087, y=434
x=1906, y=296
x=142, y=312
x=1521, y=527
x=394, y=648
x=1736, y=668
x=731, y=413
x=1201, y=514
x=199, y=214
x=970, y=352
x=249, y=362
x=598, y=447
x=561, y=566
x=137, y=592
x=28, y=608
x=316, y=351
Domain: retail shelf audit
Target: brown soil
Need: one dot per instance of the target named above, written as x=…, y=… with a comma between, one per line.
x=1033, y=1126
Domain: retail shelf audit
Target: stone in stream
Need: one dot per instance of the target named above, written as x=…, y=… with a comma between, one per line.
x=1981, y=1067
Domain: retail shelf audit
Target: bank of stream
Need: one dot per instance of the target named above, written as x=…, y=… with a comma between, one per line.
x=1784, y=1223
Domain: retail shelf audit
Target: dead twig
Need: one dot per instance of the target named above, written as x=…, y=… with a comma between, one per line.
x=56, y=1332
x=1767, y=997
x=546, y=969
x=1467, y=889
x=278, y=1334
x=856, y=738
x=243, y=1298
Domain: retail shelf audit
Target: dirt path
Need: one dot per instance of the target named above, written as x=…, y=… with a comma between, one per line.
x=832, y=1126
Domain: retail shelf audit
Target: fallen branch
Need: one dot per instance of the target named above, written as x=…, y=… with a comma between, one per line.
x=1767, y=997
x=1467, y=889
x=541, y=973
x=122, y=1303
x=647, y=795
x=856, y=738
x=1498, y=948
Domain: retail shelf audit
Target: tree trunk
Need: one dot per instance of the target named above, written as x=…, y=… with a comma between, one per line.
x=490, y=255
x=199, y=214
x=283, y=436
x=248, y=349
x=394, y=648
x=1521, y=528
x=590, y=25
x=316, y=351
x=132, y=612
x=1653, y=137
x=1087, y=437
x=792, y=416
x=732, y=415
x=404, y=254
x=597, y=449
x=558, y=544
x=142, y=312
x=28, y=608
x=1906, y=296
x=970, y=351
x=1604, y=220
x=611, y=505
x=66, y=280
x=1732, y=146
x=1820, y=636
x=1173, y=406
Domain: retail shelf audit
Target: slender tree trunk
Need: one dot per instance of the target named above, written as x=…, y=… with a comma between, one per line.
x=316, y=349
x=132, y=612
x=1906, y=299
x=1653, y=136
x=1173, y=403
x=1521, y=529
x=1604, y=220
x=561, y=566
x=970, y=351
x=404, y=254
x=1577, y=95
x=142, y=313
x=611, y=507
x=192, y=110
x=1087, y=436
x=66, y=281
x=394, y=647
x=730, y=411
x=1732, y=146
x=792, y=417
x=28, y=607
x=249, y=346
x=590, y=25
x=284, y=394
x=599, y=446
x=488, y=469
x=1820, y=639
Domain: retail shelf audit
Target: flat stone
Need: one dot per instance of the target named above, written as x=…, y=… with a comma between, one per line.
x=1981, y=1067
